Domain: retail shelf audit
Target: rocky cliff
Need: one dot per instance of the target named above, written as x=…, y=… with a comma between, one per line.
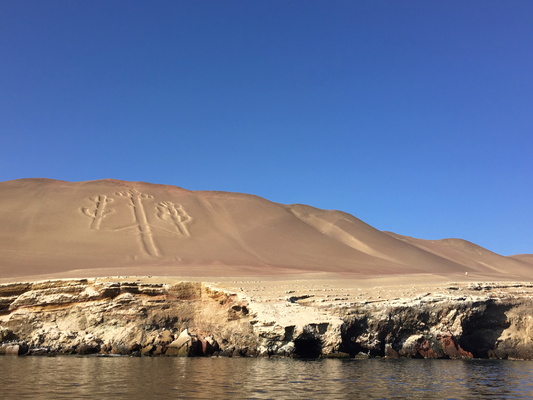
x=135, y=317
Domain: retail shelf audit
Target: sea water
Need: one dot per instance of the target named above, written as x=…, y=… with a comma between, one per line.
x=73, y=377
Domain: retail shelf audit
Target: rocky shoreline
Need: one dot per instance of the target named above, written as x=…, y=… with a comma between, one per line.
x=129, y=316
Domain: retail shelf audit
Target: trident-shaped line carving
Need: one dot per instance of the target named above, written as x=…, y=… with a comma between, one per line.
x=140, y=217
x=168, y=211
x=99, y=211
x=165, y=210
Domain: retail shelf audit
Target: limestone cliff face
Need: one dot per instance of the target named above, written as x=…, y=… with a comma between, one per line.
x=196, y=319
x=94, y=316
x=482, y=326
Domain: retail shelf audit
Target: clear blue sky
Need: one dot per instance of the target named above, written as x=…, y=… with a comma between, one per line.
x=415, y=116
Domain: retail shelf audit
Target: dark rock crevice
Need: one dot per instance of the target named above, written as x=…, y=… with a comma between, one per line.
x=353, y=328
x=482, y=328
x=308, y=347
x=461, y=329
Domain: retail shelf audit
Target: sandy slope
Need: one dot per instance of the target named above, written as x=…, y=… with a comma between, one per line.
x=52, y=228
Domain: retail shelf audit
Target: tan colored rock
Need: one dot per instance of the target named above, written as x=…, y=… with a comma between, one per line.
x=186, y=290
x=16, y=350
x=147, y=350
x=141, y=317
x=164, y=338
x=184, y=346
x=149, y=339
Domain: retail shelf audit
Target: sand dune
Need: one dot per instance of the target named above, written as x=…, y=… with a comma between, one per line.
x=473, y=256
x=111, y=227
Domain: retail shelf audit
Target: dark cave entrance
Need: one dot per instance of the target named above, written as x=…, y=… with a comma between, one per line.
x=308, y=348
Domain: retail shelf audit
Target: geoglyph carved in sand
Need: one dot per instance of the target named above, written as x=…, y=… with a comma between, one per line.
x=165, y=211
x=169, y=211
x=99, y=211
x=140, y=218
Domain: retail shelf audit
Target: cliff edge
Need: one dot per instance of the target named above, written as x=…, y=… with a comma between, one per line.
x=135, y=317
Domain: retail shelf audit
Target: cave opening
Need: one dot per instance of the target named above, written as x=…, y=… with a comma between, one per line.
x=482, y=329
x=308, y=347
x=349, y=336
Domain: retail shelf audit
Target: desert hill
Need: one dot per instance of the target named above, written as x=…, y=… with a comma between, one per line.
x=111, y=227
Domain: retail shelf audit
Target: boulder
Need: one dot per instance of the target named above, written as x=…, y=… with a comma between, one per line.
x=418, y=346
x=452, y=349
x=158, y=350
x=16, y=349
x=119, y=348
x=390, y=352
x=39, y=351
x=286, y=350
x=147, y=350
x=208, y=346
x=185, y=345
x=424, y=349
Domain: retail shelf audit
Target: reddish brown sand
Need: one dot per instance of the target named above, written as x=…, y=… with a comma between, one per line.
x=55, y=229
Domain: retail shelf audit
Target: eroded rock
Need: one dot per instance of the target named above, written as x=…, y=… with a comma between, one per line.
x=86, y=316
x=185, y=345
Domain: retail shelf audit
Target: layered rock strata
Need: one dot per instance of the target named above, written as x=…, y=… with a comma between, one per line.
x=131, y=317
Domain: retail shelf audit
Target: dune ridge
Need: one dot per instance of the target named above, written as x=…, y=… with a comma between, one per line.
x=101, y=227
x=86, y=267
